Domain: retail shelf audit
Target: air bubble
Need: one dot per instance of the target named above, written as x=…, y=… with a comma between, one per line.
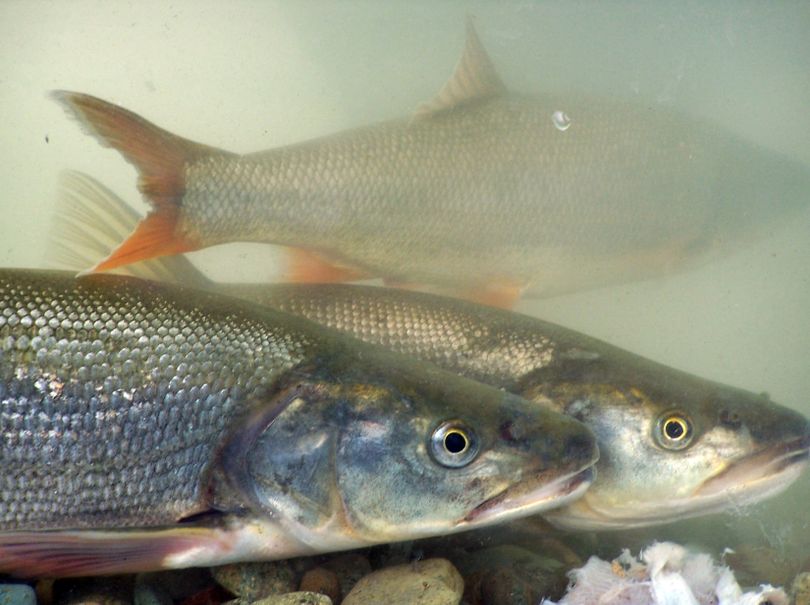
x=561, y=120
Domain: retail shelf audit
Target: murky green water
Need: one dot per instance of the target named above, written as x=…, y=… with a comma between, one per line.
x=247, y=76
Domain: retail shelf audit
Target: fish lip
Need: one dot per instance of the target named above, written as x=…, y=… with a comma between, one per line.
x=779, y=465
x=506, y=504
x=767, y=464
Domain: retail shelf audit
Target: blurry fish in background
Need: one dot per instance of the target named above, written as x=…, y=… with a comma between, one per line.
x=673, y=445
x=147, y=426
x=482, y=194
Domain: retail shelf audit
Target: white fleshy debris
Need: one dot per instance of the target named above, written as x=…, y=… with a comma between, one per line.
x=664, y=574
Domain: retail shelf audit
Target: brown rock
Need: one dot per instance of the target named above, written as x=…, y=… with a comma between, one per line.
x=348, y=568
x=430, y=582
x=753, y=564
x=323, y=581
x=512, y=574
x=296, y=598
x=254, y=581
x=800, y=591
x=179, y=584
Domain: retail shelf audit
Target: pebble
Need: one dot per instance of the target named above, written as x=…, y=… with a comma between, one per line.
x=512, y=575
x=800, y=591
x=323, y=581
x=754, y=564
x=254, y=581
x=348, y=568
x=430, y=582
x=179, y=584
x=17, y=594
x=296, y=598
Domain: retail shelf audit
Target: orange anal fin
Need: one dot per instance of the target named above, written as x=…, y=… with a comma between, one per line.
x=503, y=294
x=154, y=236
x=308, y=267
x=500, y=294
x=77, y=553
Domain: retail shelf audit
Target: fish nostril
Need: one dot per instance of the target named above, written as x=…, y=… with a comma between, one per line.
x=730, y=419
x=579, y=447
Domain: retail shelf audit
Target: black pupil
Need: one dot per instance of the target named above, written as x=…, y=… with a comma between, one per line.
x=674, y=429
x=455, y=442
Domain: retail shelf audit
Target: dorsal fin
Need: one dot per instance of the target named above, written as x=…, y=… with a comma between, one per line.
x=474, y=78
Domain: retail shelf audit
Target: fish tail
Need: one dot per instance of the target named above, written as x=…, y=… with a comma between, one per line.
x=160, y=158
x=89, y=222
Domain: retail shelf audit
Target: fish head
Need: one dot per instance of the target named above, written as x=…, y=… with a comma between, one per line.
x=673, y=445
x=344, y=464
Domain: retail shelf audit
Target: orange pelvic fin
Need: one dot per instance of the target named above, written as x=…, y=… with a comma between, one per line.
x=308, y=267
x=83, y=553
x=160, y=158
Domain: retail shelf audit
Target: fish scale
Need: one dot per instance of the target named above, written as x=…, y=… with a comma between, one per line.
x=82, y=363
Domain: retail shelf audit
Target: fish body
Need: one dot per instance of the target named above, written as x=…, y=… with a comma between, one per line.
x=484, y=194
x=734, y=447
x=170, y=428
x=673, y=445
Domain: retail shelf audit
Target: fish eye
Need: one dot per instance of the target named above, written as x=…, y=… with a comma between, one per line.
x=673, y=431
x=453, y=444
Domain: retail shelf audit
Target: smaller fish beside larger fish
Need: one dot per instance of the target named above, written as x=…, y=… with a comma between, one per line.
x=483, y=194
x=673, y=445
x=146, y=426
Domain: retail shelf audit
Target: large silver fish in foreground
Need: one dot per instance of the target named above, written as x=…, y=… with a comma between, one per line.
x=146, y=426
x=483, y=194
x=673, y=445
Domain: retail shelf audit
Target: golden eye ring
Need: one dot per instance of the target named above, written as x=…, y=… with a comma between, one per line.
x=673, y=430
x=453, y=444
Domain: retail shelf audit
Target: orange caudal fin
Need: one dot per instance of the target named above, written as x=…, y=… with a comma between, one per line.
x=160, y=158
x=308, y=267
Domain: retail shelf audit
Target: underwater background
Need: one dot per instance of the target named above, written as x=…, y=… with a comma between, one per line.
x=248, y=76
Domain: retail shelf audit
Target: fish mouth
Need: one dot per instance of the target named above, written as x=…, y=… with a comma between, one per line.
x=522, y=500
x=761, y=474
x=747, y=480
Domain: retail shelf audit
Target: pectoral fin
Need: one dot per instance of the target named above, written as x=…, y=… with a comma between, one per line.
x=474, y=78
x=82, y=553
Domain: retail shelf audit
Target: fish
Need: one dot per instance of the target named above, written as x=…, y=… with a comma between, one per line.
x=482, y=193
x=146, y=426
x=673, y=445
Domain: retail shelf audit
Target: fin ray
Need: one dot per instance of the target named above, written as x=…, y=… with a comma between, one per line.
x=77, y=553
x=90, y=221
x=160, y=158
x=474, y=78
x=309, y=267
